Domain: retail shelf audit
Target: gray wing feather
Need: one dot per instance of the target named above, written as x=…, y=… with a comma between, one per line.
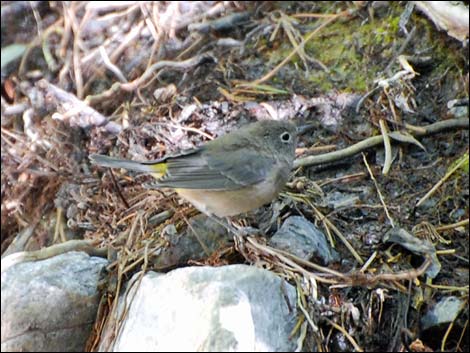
x=222, y=170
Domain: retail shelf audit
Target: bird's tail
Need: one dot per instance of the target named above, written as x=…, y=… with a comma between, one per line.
x=158, y=168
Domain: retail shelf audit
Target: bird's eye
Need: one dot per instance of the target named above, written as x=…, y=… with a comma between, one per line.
x=285, y=137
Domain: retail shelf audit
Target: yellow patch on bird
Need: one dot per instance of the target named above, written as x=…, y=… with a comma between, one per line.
x=159, y=169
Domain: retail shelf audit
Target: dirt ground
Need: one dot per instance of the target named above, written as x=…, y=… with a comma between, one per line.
x=142, y=80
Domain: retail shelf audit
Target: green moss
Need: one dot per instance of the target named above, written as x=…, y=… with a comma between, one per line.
x=350, y=50
x=355, y=50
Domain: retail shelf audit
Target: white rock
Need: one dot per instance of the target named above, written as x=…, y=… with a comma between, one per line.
x=229, y=308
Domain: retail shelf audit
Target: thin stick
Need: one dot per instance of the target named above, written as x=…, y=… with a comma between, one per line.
x=452, y=226
x=377, y=140
x=378, y=191
x=345, y=333
x=387, y=147
x=351, y=249
x=300, y=46
x=440, y=182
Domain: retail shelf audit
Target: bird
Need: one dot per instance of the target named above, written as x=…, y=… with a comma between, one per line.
x=233, y=174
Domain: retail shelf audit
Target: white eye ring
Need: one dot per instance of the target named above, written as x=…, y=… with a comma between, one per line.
x=286, y=137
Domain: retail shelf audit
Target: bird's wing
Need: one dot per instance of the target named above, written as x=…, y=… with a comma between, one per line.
x=228, y=168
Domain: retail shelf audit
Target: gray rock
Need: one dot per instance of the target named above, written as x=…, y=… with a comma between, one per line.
x=458, y=108
x=50, y=305
x=300, y=237
x=229, y=308
x=445, y=311
x=187, y=246
x=416, y=245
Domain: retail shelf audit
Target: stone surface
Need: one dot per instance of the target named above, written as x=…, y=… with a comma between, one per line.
x=444, y=311
x=302, y=238
x=229, y=308
x=50, y=305
x=186, y=246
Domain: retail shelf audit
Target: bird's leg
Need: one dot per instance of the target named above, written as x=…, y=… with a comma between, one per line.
x=240, y=233
x=235, y=228
x=224, y=222
x=244, y=230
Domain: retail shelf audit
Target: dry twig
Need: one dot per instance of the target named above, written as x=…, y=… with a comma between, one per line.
x=377, y=140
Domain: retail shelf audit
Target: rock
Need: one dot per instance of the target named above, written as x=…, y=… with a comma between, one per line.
x=50, y=305
x=416, y=245
x=300, y=237
x=186, y=246
x=445, y=311
x=229, y=308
